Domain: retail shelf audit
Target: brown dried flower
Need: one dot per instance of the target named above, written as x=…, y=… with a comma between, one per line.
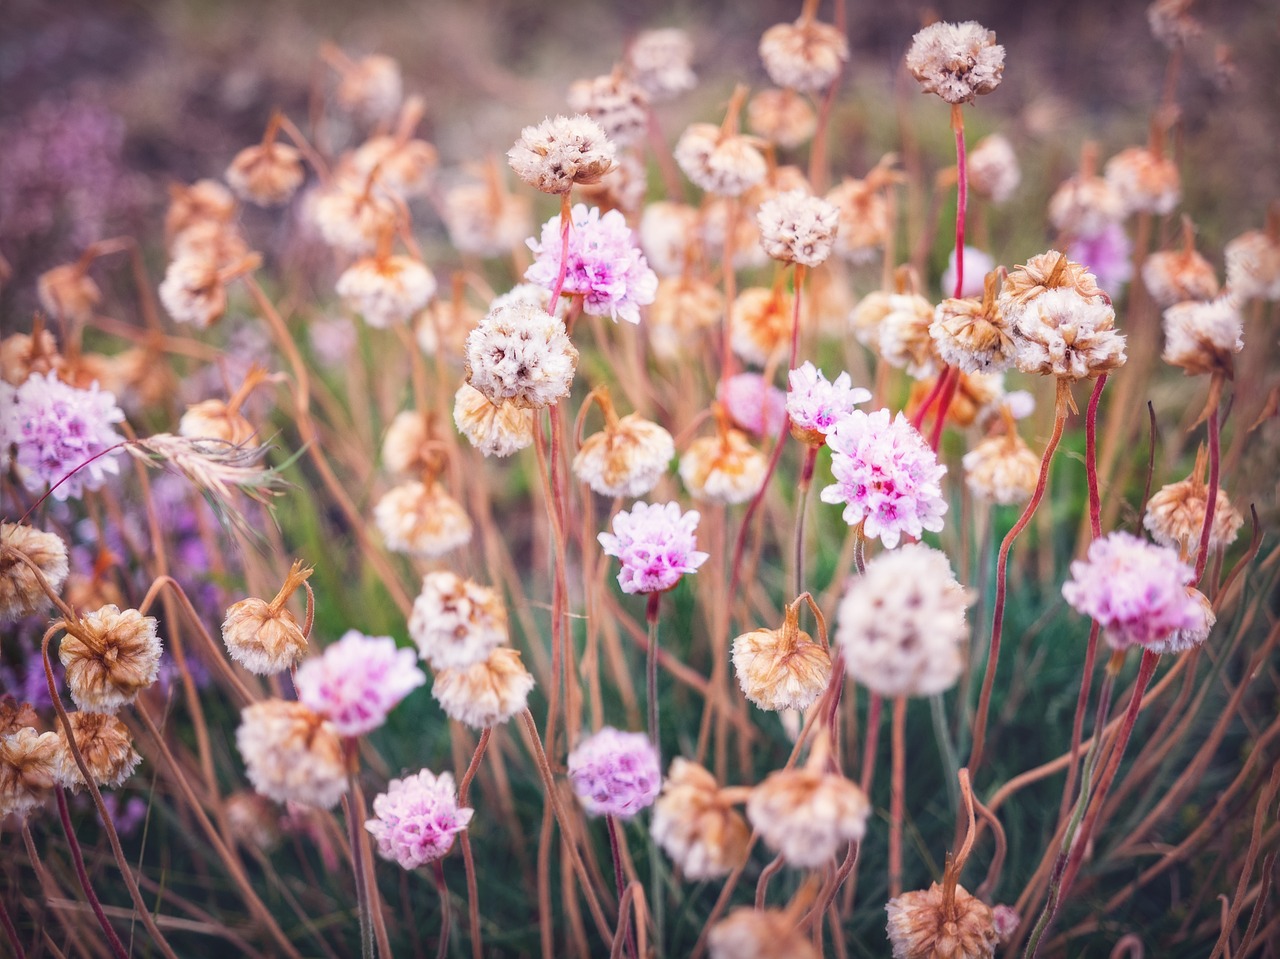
x=783, y=117
x=696, y=825
x=20, y=589
x=487, y=693
x=110, y=656
x=749, y=933
x=29, y=764
x=926, y=925
x=724, y=468
x=781, y=668
x=562, y=151
x=68, y=293
x=627, y=457
x=972, y=334
x=494, y=430
x=1175, y=514
x=265, y=637
x=806, y=55
x=291, y=753
x=106, y=747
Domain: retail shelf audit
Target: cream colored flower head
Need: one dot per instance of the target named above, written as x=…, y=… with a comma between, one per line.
x=957, y=61
x=522, y=354
x=796, y=227
x=562, y=151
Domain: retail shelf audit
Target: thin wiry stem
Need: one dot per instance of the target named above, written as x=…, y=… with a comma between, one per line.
x=77, y=858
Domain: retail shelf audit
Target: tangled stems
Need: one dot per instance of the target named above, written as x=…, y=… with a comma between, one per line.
x=64, y=815
x=373, y=924
x=1211, y=497
x=446, y=925
x=468, y=860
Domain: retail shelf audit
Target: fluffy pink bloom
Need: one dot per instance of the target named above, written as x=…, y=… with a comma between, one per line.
x=605, y=265
x=1135, y=590
x=358, y=681
x=887, y=476
x=1108, y=256
x=615, y=773
x=815, y=405
x=656, y=545
x=753, y=404
x=57, y=428
x=416, y=819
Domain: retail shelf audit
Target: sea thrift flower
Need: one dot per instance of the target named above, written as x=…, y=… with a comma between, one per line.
x=615, y=773
x=993, y=169
x=416, y=819
x=20, y=591
x=357, y=681
x=68, y=293
x=702, y=833
x=403, y=168
x=30, y=762
x=106, y=747
x=902, y=336
x=559, y=152
x=1084, y=205
x=1203, y=337
x=456, y=621
x=808, y=816
x=1175, y=515
x=668, y=235
x=886, y=475
x=352, y=217
x=796, y=227
x=1253, y=265
x=371, y=86
x=626, y=458
x=749, y=933
x=292, y=753
x=658, y=61
x=781, y=668
x=605, y=267
x=522, y=354
x=973, y=335
x=203, y=202
x=265, y=637
x=1145, y=181
x=1135, y=590
x=410, y=447
x=760, y=321
x=487, y=693
x=783, y=117
x=656, y=546
x=1182, y=640
x=1046, y=271
x=724, y=468
x=484, y=219
x=806, y=55
x=922, y=925
x=110, y=656
x=1002, y=469
x=386, y=290
x=421, y=519
x=753, y=403
x=977, y=264
x=620, y=106
x=725, y=164
x=1108, y=255
x=1175, y=276
x=815, y=405
x=56, y=429
x=1060, y=334
x=902, y=625
x=864, y=215
x=495, y=430
x=957, y=61
x=267, y=174
x=22, y=354
x=193, y=291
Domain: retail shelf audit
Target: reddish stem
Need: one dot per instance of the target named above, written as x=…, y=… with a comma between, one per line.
x=897, y=794
x=1211, y=495
x=952, y=376
x=962, y=193
x=113, y=940
x=935, y=391
x=566, y=220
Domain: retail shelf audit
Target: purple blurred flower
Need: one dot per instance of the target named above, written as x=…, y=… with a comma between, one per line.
x=358, y=680
x=1108, y=256
x=753, y=403
x=615, y=773
x=977, y=264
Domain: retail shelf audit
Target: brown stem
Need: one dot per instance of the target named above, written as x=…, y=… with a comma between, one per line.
x=113, y=940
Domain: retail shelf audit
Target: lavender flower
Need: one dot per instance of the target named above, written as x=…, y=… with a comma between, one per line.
x=605, y=266
x=416, y=819
x=815, y=405
x=1107, y=255
x=358, y=681
x=656, y=546
x=752, y=403
x=615, y=773
x=57, y=428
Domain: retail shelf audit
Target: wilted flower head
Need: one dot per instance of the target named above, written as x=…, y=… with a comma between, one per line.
x=720, y=162
x=928, y=925
x=815, y=405
x=1203, y=337
x=957, y=61
x=806, y=55
x=106, y=747
x=659, y=62
x=783, y=117
x=724, y=468
x=217, y=420
x=193, y=291
x=760, y=321
x=386, y=290
x=1175, y=514
x=110, y=656
x=357, y=681
x=291, y=753
x=973, y=334
x=371, y=86
x=1002, y=469
x=668, y=235
x=203, y=202
x=753, y=403
x=400, y=165
x=484, y=219
x=627, y=457
x=886, y=475
x=494, y=429
x=615, y=773
x=267, y=173
x=410, y=447
x=1135, y=590
x=521, y=353
x=455, y=621
x=20, y=590
x=902, y=624
x=22, y=354
x=796, y=227
x=1175, y=276
x=416, y=819
x=486, y=693
x=901, y=334
x=864, y=213
x=1060, y=334
x=55, y=429
x=1145, y=181
x=781, y=668
x=562, y=151
x=993, y=168
x=68, y=293
x=1253, y=264
x=618, y=105
x=748, y=933
x=1046, y=271
x=808, y=815
x=656, y=546
x=421, y=519
x=1085, y=205
x=30, y=762
x=265, y=637
x=701, y=832
x=352, y=216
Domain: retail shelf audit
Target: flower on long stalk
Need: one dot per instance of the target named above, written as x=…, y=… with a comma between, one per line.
x=357, y=681
x=656, y=545
x=416, y=819
x=615, y=773
x=696, y=825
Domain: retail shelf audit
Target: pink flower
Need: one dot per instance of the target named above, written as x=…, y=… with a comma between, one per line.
x=358, y=681
x=1135, y=590
x=815, y=405
x=416, y=819
x=605, y=266
x=977, y=264
x=753, y=404
x=887, y=476
x=57, y=428
x=656, y=546
x=1107, y=256
x=615, y=773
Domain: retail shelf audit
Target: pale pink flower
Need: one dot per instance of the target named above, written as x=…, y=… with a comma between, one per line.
x=1107, y=255
x=417, y=818
x=753, y=404
x=656, y=545
x=815, y=405
x=358, y=681
x=615, y=773
x=977, y=264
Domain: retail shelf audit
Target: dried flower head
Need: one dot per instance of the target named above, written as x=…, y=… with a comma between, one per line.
x=627, y=457
x=1172, y=24
x=1253, y=265
x=796, y=227
x=267, y=173
x=110, y=656
x=1175, y=514
x=193, y=291
x=972, y=334
x=760, y=322
x=562, y=151
x=701, y=832
x=30, y=762
x=719, y=162
x=658, y=61
x=203, y=202
x=864, y=215
x=618, y=105
x=957, y=61
x=724, y=468
x=808, y=815
x=781, y=668
x=615, y=773
x=623, y=188
x=783, y=117
x=20, y=589
x=371, y=86
x=929, y=925
x=217, y=420
x=993, y=168
x=682, y=308
x=494, y=429
x=416, y=819
x=748, y=933
x=1002, y=469
x=400, y=165
x=1145, y=181
x=410, y=446
x=487, y=693
x=352, y=216
x=814, y=405
x=252, y=820
x=68, y=293
x=292, y=753
x=484, y=219
x=106, y=747
x=1064, y=335
x=1085, y=205
x=655, y=545
x=521, y=353
x=903, y=340
x=902, y=625
x=455, y=621
x=668, y=235
x=1046, y=271
x=806, y=55
x=22, y=354
x=386, y=290
x=421, y=519
x=265, y=637
x=1175, y=276
x=357, y=681
x=1203, y=337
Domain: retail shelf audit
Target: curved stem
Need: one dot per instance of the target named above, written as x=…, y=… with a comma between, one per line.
x=1211, y=496
x=615, y=850
x=113, y=940
x=767, y=873
x=566, y=221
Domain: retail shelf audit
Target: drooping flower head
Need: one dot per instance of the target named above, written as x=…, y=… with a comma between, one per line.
x=748, y=933
x=386, y=290
x=656, y=545
x=421, y=519
x=781, y=668
x=615, y=773
x=627, y=457
x=816, y=405
x=486, y=693
x=416, y=819
x=923, y=924
x=20, y=590
x=1203, y=337
x=29, y=765
x=806, y=55
x=697, y=827
x=495, y=430
x=106, y=747
x=357, y=681
x=111, y=656
x=292, y=753
x=808, y=815
x=957, y=61
x=886, y=475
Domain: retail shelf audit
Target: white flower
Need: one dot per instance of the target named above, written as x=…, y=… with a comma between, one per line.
x=386, y=290
x=521, y=353
x=562, y=151
x=455, y=621
x=798, y=228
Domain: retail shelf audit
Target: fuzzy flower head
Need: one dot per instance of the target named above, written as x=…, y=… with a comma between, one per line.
x=455, y=621
x=416, y=819
x=659, y=62
x=106, y=747
x=1175, y=514
x=717, y=162
x=724, y=468
x=753, y=403
x=796, y=227
x=487, y=693
x=386, y=290
x=1135, y=590
x=993, y=168
x=615, y=773
x=808, y=815
x=562, y=151
x=627, y=457
x=957, y=61
x=56, y=428
x=1145, y=181
x=619, y=105
x=292, y=753
x=1203, y=337
x=815, y=405
x=781, y=668
x=111, y=656
x=358, y=681
x=656, y=546
x=806, y=55
x=1253, y=264
x=20, y=591
x=30, y=762
x=495, y=430
x=605, y=267
x=783, y=117
x=522, y=354
x=697, y=827
x=972, y=333
x=941, y=922
x=886, y=475
x=1175, y=276
x=748, y=933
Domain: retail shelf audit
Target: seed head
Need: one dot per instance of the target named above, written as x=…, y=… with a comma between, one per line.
x=627, y=457
x=456, y=622
x=957, y=61
x=20, y=591
x=265, y=637
x=808, y=815
x=805, y=55
x=781, y=668
x=106, y=747
x=30, y=762
x=926, y=925
x=421, y=519
x=701, y=832
x=291, y=753
x=658, y=61
x=495, y=430
x=562, y=151
x=110, y=656
x=487, y=693
x=782, y=117
x=267, y=174
x=618, y=105
x=386, y=290
x=796, y=227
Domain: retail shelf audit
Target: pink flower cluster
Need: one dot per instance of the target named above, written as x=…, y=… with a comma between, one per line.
x=814, y=404
x=417, y=818
x=358, y=681
x=753, y=403
x=605, y=267
x=887, y=476
x=656, y=545
x=615, y=773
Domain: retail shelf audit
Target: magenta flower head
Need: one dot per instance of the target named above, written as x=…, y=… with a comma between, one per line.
x=815, y=405
x=416, y=819
x=56, y=428
x=1135, y=590
x=656, y=545
x=886, y=475
x=358, y=681
x=605, y=267
x=615, y=773
x=753, y=403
